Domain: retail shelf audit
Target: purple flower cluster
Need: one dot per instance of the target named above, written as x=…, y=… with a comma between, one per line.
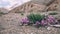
x=25, y=21
x=37, y=22
x=43, y=22
x=51, y=19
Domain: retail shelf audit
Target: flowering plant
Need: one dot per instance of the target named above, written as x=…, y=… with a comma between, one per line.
x=39, y=20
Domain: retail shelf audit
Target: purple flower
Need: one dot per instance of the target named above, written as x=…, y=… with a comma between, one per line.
x=51, y=17
x=37, y=22
x=25, y=20
x=50, y=20
x=44, y=22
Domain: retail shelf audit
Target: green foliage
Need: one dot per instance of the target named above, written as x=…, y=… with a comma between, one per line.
x=1, y=13
x=54, y=13
x=35, y=17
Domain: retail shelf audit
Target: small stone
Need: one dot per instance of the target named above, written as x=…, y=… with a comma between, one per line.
x=31, y=33
x=48, y=28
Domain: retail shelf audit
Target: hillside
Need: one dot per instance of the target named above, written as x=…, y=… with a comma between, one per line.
x=4, y=10
x=33, y=5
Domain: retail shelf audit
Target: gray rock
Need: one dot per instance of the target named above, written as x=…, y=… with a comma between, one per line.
x=45, y=2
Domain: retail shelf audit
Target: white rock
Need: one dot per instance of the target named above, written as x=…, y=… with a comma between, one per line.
x=48, y=28
x=55, y=25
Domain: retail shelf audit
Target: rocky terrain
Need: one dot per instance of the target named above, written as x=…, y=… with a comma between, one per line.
x=10, y=22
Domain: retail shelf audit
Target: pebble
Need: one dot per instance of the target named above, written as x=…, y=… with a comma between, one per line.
x=48, y=28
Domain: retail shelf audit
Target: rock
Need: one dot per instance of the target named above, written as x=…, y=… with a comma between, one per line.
x=33, y=5
x=48, y=28
x=55, y=25
x=53, y=6
x=28, y=7
x=45, y=2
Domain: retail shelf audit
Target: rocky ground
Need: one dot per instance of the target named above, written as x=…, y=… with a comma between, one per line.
x=10, y=24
